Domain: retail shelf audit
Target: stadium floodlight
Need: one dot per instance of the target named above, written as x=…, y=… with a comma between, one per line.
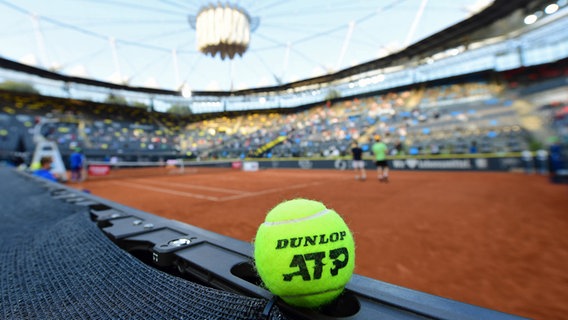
x=223, y=29
x=551, y=8
x=530, y=19
x=379, y=78
x=186, y=91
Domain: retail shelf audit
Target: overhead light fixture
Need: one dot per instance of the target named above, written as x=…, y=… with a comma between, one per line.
x=186, y=91
x=551, y=8
x=530, y=19
x=223, y=29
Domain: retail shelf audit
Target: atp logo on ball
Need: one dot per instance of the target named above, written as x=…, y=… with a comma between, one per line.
x=304, y=253
x=329, y=261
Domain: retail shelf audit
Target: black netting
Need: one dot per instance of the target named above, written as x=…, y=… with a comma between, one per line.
x=56, y=264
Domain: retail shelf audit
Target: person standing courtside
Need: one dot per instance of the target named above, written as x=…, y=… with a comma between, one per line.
x=380, y=151
x=76, y=162
x=358, y=162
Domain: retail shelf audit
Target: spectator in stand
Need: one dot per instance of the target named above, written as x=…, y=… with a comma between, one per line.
x=542, y=161
x=434, y=149
x=398, y=149
x=473, y=147
x=555, y=160
x=358, y=162
x=45, y=169
x=76, y=163
x=380, y=150
x=527, y=157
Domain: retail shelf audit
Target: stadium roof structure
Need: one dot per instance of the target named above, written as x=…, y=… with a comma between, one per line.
x=155, y=39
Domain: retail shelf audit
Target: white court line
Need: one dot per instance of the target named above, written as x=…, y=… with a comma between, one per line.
x=190, y=186
x=216, y=199
x=177, y=193
x=254, y=194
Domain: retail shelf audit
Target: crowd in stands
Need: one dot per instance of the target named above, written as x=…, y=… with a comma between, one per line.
x=95, y=127
x=463, y=117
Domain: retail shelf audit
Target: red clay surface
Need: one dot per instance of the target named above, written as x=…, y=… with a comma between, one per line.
x=496, y=240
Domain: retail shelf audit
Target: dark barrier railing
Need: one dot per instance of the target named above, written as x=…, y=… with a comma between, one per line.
x=442, y=163
x=225, y=263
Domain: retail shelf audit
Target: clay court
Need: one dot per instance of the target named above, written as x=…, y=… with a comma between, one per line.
x=496, y=240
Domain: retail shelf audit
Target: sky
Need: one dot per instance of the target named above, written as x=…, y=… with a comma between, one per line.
x=150, y=43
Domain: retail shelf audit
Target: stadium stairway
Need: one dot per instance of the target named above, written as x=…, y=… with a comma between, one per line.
x=265, y=148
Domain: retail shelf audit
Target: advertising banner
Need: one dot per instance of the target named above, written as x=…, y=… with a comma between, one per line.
x=98, y=170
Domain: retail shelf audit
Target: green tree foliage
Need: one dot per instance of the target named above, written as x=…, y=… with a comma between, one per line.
x=179, y=109
x=332, y=94
x=18, y=87
x=139, y=104
x=116, y=99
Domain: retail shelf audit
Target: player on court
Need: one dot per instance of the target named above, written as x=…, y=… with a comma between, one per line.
x=358, y=162
x=380, y=150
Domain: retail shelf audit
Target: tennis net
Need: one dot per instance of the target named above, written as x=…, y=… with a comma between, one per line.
x=125, y=169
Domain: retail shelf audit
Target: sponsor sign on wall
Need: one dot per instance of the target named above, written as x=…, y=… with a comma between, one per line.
x=449, y=164
x=98, y=170
x=250, y=166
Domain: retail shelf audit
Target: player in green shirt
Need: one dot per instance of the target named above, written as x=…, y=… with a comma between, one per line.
x=380, y=151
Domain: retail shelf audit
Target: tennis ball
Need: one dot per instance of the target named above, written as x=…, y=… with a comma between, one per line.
x=304, y=253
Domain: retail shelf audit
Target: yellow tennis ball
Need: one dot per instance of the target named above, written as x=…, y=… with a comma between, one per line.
x=304, y=253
